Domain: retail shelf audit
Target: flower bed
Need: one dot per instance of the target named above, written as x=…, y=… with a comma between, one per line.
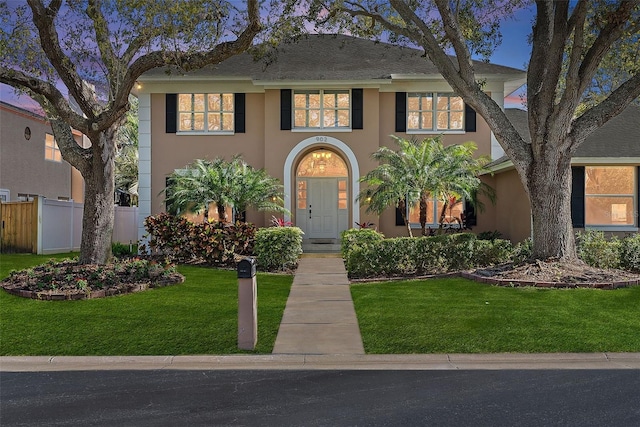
x=68, y=280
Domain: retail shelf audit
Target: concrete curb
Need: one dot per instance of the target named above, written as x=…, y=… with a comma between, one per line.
x=499, y=361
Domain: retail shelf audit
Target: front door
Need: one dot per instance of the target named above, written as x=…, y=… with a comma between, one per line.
x=323, y=208
x=321, y=195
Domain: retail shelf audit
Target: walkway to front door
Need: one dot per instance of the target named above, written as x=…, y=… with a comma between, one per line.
x=319, y=317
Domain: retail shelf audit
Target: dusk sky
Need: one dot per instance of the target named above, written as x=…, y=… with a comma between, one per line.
x=514, y=52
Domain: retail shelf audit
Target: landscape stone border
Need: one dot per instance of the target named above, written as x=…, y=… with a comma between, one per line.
x=507, y=282
x=125, y=289
x=544, y=284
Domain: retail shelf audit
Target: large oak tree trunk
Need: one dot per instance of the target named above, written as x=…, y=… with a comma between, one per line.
x=549, y=187
x=98, y=214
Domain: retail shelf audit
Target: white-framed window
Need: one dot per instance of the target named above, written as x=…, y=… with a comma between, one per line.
x=610, y=196
x=429, y=111
x=51, y=150
x=321, y=109
x=452, y=215
x=205, y=112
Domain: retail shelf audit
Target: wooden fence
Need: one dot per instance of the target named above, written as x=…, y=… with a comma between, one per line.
x=46, y=226
x=19, y=232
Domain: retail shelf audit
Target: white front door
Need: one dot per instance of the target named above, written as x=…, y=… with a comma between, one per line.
x=319, y=217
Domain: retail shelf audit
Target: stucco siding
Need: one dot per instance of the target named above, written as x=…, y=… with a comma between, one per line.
x=512, y=210
x=23, y=168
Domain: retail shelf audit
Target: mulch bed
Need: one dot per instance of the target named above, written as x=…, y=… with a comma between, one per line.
x=69, y=280
x=541, y=274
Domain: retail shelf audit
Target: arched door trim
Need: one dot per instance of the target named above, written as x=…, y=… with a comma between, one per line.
x=330, y=141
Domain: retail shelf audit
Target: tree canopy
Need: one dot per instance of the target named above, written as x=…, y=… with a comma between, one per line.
x=80, y=60
x=569, y=46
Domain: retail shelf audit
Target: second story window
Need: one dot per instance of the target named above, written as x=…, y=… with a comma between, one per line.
x=434, y=112
x=205, y=112
x=51, y=150
x=322, y=109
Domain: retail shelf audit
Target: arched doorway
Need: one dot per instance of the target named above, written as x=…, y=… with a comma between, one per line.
x=322, y=194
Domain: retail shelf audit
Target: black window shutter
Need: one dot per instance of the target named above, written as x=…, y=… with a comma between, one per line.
x=239, y=112
x=285, y=109
x=470, y=214
x=399, y=219
x=577, y=196
x=171, y=112
x=401, y=111
x=469, y=119
x=357, y=109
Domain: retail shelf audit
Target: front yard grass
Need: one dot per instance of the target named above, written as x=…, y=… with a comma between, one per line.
x=456, y=315
x=198, y=316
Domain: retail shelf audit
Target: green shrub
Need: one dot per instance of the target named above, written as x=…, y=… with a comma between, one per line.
x=489, y=235
x=354, y=237
x=122, y=250
x=406, y=256
x=278, y=248
x=490, y=252
x=597, y=251
x=523, y=251
x=630, y=253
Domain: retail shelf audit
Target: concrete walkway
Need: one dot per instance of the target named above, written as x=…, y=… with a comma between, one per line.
x=319, y=317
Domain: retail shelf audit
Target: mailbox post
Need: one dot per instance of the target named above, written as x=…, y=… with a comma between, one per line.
x=247, y=304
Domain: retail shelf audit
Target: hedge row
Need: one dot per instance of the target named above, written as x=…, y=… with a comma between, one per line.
x=369, y=255
x=598, y=251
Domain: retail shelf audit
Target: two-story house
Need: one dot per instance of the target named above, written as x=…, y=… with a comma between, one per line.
x=312, y=118
x=30, y=160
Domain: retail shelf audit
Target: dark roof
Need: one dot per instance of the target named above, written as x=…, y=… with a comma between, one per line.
x=335, y=57
x=619, y=137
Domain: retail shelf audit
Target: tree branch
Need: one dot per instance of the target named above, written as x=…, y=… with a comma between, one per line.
x=44, y=21
x=616, y=24
x=597, y=116
x=50, y=92
x=452, y=29
x=103, y=40
x=76, y=155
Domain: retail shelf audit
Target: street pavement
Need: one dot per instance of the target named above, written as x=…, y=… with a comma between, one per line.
x=321, y=398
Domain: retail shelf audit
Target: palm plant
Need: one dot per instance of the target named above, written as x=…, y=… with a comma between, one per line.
x=416, y=173
x=194, y=188
x=459, y=171
x=126, y=161
x=253, y=188
x=233, y=183
x=388, y=184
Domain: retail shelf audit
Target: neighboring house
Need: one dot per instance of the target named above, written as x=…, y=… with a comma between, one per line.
x=605, y=177
x=30, y=160
x=311, y=118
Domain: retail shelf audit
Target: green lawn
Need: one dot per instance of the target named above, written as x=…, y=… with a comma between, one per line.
x=196, y=317
x=461, y=316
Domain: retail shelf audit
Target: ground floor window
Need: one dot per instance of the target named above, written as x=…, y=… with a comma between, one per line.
x=610, y=195
x=453, y=213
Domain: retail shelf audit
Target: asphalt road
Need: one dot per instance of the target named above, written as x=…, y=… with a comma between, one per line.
x=321, y=398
